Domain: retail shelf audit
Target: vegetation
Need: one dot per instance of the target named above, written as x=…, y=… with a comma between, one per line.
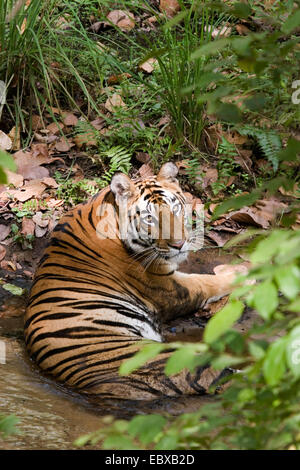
x=212, y=85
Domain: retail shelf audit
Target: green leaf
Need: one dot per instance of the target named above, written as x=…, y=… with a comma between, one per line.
x=181, y=359
x=291, y=150
x=146, y=428
x=256, y=350
x=274, y=364
x=7, y=161
x=15, y=290
x=241, y=10
x=292, y=22
x=268, y=247
x=8, y=424
x=210, y=48
x=226, y=360
x=167, y=443
x=236, y=203
x=228, y=112
x=265, y=299
x=287, y=278
x=293, y=351
x=139, y=359
x=223, y=320
x=256, y=102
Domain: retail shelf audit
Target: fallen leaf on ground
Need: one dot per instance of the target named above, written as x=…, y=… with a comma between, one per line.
x=50, y=182
x=63, y=145
x=146, y=171
x=55, y=128
x=33, y=188
x=69, y=119
x=148, y=66
x=5, y=141
x=2, y=252
x=28, y=226
x=114, y=101
x=123, y=19
x=270, y=209
x=4, y=231
x=29, y=163
x=247, y=216
x=98, y=123
x=113, y=79
x=87, y=139
x=242, y=29
x=15, y=137
x=169, y=7
x=14, y=178
x=210, y=176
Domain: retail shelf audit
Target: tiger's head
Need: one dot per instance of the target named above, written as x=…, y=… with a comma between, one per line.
x=153, y=216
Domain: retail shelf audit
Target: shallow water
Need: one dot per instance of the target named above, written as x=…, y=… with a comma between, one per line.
x=52, y=417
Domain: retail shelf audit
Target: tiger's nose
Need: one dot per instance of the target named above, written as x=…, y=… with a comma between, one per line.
x=178, y=244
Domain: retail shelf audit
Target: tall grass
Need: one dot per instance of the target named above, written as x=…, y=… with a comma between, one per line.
x=37, y=61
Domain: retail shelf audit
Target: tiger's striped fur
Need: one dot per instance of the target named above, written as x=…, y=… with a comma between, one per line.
x=96, y=296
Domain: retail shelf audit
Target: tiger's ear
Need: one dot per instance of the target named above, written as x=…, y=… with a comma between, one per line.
x=168, y=172
x=122, y=187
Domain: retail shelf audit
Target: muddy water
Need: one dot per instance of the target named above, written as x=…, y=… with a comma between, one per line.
x=52, y=417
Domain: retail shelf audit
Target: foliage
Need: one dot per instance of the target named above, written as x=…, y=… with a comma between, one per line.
x=34, y=49
x=6, y=162
x=8, y=425
x=260, y=408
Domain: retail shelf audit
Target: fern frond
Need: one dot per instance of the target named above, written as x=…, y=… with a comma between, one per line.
x=268, y=140
x=120, y=160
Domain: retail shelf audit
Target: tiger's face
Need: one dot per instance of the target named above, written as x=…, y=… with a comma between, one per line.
x=152, y=216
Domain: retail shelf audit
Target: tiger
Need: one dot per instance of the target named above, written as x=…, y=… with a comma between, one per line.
x=106, y=283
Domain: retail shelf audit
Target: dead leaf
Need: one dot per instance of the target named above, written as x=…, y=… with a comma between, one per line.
x=50, y=182
x=210, y=176
x=69, y=119
x=63, y=145
x=28, y=226
x=148, y=66
x=114, y=101
x=123, y=19
x=270, y=209
x=40, y=220
x=33, y=188
x=114, y=79
x=55, y=128
x=292, y=192
x=142, y=157
x=4, y=231
x=98, y=123
x=2, y=252
x=169, y=7
x=28, y=163
x=87, y=139
x=15, y=137
x=5, y=141
x=14, y=179
x=220, y=238
x=247, y=216
x=8, y=265
x=146, y=171
x=37, y=122
x=243, y=158
x=242, y=29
